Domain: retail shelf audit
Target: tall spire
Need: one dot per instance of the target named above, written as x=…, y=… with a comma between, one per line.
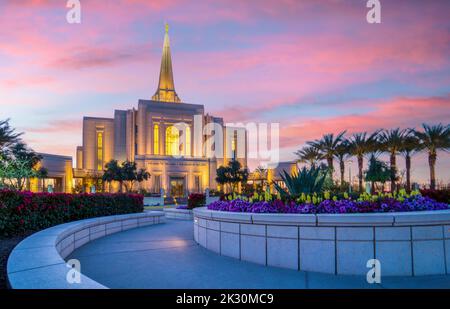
x=166, y=87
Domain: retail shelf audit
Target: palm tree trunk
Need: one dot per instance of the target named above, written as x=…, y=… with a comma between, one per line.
x=330, y=165
x=360, y=172
x=393, y=170
x=408, y=172
x=342, y=167
x=432, y=162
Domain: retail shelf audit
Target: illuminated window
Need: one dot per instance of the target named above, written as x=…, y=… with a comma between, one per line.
x=233, y=145
x=99, y=150
x=188, y=141
x=155, y=139
x=172, y=141
x=157, y=184
x=197, y=184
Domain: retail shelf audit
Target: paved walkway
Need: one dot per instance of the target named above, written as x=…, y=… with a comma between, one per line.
x=166, y=256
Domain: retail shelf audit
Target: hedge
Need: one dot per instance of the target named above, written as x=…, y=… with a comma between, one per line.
x=26, y=211
x=438, y=195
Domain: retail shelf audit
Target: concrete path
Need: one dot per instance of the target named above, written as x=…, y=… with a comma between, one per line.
x=165, y=256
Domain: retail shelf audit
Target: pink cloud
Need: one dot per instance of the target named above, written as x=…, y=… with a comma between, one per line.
x=399, y=112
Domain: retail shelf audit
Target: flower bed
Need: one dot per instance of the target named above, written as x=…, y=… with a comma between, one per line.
x=412, y=243
x=26, y=211
x=374, y=204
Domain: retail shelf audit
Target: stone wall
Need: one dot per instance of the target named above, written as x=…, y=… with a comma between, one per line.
x=406, y=244
x=38, y=261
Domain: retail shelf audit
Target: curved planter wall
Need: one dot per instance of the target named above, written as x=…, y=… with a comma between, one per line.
x=38, y=261
x=181, y=214
x=406, y=244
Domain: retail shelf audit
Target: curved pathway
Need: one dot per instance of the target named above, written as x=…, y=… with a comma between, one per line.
x=166, y=256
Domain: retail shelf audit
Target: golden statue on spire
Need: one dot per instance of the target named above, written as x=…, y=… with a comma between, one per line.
x=166, y=87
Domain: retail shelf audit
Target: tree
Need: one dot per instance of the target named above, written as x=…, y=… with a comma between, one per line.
x=18, y=164
x=232, y=175
x=342, y=152
x=432, y=139
x=126, y=174
x=261, y=175
x=377, y=172
x=8, y=136
x=113, y=173
x=391, y=141
x=309, y=155
x=409, y=147
x=327, y=147
x=359, y=145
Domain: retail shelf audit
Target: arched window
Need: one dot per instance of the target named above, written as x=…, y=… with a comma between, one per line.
x=156, y=139
x=172, y=141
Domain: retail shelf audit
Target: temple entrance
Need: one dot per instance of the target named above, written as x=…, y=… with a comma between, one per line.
x=54, y=184
x=177, y=186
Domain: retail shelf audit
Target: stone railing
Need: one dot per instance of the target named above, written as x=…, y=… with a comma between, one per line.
x=406, y=244
x=38, y=261
x=182, y=214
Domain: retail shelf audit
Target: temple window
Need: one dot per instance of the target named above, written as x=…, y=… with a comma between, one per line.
x=172, y=141
x=156, y=139
x=188, y=141
x=99, y=150
x=233, y=145
x=197, y=187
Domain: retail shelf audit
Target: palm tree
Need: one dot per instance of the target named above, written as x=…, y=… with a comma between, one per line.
x=327, y=147
x=391, y=141
x=342, y=152
x=8, y=135
x=309, y=155
x=433, y=138
x=361, y=144
x=409, y=147
x=261, y=175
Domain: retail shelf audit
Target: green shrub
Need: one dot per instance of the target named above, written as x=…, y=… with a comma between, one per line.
x=306, y=181
x=25, y=211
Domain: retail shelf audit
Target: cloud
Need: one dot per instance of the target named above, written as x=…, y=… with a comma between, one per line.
x=399, y=112
x=66, y=126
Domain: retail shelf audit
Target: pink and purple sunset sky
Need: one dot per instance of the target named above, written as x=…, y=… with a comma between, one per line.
x=313, y=66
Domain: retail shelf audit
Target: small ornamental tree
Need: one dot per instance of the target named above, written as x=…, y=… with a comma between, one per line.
x=126, y=174
x=112, y=173
x=378, y=171
x=18, y=164
x=232, y=175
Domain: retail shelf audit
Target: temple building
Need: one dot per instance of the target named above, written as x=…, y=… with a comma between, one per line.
x=170, y=138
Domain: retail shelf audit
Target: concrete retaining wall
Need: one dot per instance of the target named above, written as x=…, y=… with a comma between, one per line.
x=38, y=261
x=406, y=244
x=181, y=214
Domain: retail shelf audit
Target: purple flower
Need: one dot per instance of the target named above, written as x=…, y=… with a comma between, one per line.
x=414, y=203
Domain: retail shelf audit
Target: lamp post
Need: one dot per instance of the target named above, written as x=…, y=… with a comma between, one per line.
x=350, y=176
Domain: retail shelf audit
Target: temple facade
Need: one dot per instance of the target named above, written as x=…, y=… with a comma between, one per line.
x=176, y=142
